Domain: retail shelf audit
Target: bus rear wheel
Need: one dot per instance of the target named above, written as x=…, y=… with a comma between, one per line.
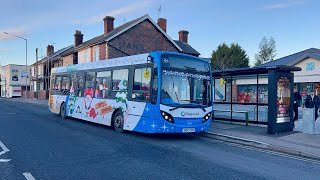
x=63, y=111
x=118, y=121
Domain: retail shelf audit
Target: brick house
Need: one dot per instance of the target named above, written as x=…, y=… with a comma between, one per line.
x=138, y=36
x=41, y=70
x=141, y=35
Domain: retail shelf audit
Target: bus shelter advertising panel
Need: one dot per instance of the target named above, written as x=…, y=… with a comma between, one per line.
x=283, y=100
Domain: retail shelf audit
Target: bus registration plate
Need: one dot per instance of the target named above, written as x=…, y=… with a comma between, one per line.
x=186, y=130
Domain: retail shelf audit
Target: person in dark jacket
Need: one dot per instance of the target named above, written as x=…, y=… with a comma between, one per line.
x=313, y=101
x=296, y=101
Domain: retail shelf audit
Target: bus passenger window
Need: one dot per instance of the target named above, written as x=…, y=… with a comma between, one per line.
x=89, y=88
x=58, y=83
x=80, y=85
x=120, y=80
x=141, y=85
x=65, y=85
x=52, y=88
x=103, y=86
x=74, y=85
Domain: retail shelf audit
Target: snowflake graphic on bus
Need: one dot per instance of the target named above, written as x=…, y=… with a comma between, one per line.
x=137, y=93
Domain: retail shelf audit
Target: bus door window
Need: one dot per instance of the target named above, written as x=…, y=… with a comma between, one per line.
x=208, y=91
x=103, y=86
x=120, y=80
x=90, y=81
x=154, y=93
x=74, y=85
x=80, y=85
x=141, y=85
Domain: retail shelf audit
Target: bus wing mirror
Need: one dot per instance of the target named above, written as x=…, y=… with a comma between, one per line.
x=149, y=59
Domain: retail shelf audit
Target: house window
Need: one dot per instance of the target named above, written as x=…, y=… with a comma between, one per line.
x=96, y=53
x=86, y=55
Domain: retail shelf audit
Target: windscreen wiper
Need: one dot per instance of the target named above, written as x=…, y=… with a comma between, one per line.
x=174, y=108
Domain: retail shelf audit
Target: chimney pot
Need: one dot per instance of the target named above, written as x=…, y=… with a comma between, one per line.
x=50, y=50
x=108, y=24
x=162, y=22
x=78, y=38
x=183, y=36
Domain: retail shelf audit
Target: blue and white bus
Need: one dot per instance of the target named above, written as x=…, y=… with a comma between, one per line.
x=157, y=92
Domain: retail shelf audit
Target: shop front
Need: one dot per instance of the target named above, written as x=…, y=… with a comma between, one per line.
x=308, y=78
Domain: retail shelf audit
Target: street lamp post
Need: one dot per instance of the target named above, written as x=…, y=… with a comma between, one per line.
x=26, y=58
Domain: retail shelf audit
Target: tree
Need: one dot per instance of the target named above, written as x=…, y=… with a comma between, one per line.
x=228, y=57
x=267, y=51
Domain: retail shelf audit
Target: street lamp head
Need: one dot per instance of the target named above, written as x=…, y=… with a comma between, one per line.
x=5, y=32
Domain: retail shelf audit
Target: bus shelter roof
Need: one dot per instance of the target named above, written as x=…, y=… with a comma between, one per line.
x=254, y=70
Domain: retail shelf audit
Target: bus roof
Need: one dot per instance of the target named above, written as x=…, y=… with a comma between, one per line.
x=115, y=62
x=121, y=61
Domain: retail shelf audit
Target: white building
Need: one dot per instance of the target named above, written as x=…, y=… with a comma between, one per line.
x=14, y=79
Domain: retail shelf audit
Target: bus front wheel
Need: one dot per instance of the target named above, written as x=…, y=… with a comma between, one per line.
x=118, y=121
x=63, y=111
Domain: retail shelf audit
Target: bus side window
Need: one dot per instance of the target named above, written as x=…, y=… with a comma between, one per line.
x=65, y=85
x=58, y=83
x=103, y=84
x=89, y=88
x=141, y=85
x=74, y=85
x=80, y=85
x=52, y=88
x=120, y=80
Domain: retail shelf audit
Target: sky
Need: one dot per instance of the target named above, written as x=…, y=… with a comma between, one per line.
x=294, y=24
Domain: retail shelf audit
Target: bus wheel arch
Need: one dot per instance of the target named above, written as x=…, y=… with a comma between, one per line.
x=63, y=110
x=117, y=120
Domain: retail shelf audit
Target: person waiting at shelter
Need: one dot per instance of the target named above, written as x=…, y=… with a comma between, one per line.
x=296, y=101
x=312, y=101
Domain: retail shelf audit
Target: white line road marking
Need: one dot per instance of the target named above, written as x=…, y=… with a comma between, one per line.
x=8, y=113
x=28, y=176
x=4, y=148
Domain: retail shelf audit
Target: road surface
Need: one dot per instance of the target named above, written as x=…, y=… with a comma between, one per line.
x=41, y=145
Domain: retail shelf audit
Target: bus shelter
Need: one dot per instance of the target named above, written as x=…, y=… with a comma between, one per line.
x=260, y=95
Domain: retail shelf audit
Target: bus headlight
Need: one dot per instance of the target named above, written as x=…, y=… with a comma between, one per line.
x=167, y=117
x=206, y=117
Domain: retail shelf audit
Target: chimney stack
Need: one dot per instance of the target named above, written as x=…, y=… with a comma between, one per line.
x=162, y=22
x=50, y=50
x=183, y=36
x=78, y=38
x=108, y=24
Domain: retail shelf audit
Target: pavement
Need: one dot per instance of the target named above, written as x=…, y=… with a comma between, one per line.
x=37, y=143
x=294, y=143
x=37, y=102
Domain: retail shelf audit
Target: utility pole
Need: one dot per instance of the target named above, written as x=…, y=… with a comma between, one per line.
x=36, y=73
x=5, y=87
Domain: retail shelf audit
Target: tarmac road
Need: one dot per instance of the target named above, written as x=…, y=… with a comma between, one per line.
x=47, y=147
